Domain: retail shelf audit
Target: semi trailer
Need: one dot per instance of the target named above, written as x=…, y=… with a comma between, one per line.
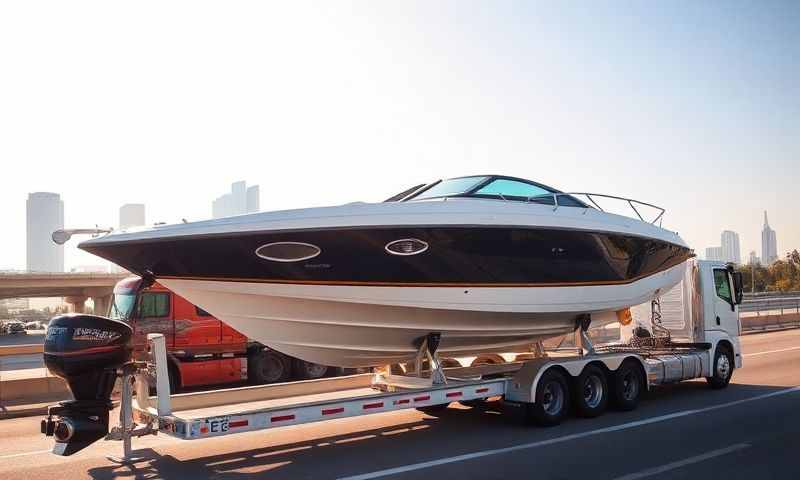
x=698, y=337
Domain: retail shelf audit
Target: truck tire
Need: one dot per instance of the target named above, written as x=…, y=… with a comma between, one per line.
x=308, y=371
x=722, y=368
x=590, y=392
x=551, y=400
x=627, y=385
x=268, y=366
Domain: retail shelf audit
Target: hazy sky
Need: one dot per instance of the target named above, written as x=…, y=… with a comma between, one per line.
x=694, y=106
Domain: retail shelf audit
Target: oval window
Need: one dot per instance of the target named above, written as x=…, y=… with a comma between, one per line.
x=406, y=246
x=288, y=251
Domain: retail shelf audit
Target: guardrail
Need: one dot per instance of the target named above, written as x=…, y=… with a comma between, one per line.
x=30, y=349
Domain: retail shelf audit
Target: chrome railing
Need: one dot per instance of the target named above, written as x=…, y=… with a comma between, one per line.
x=590, y=196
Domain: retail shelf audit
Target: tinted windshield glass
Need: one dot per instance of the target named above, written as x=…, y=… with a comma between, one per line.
x=511, y=188
x=453, y=186
x=122, y=306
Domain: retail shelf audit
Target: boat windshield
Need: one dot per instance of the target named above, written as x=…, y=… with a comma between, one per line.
x=497, y=187
x=451, y=187
x=122, y=306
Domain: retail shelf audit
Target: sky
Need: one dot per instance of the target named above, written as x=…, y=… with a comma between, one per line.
x=693, y=106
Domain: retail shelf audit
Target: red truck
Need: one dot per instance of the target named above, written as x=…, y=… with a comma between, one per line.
x=202, y=350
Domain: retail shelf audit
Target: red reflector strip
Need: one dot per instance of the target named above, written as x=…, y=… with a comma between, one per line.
x=367, y=406
x=453, y=394
x=240, y=423
x=402, y=401
x=203, y=429
x=424, y=398
x=282, y=418
x=332, y=411
x=482, y=390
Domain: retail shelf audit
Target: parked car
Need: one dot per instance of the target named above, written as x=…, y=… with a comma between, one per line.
x=34, y=325
x=14, y=327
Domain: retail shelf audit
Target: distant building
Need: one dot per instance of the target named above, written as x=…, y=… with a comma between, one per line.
x=714, y=253
x=241, y=200
x=754, y=260
x=769, y=243
x=45, y=214
x=131, y=215
x=729, y=243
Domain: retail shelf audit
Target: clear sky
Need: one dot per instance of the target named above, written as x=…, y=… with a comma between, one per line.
x=694, y=106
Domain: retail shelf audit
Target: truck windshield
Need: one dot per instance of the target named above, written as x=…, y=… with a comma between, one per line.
x=122, y=306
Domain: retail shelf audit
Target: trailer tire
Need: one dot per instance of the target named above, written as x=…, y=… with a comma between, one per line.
x=268, y=366
x=590, y=392
x=551, y=400
x=308, y=371
x=722, y=368
x=627, y=386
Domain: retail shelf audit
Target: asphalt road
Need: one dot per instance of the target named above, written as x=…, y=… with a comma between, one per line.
x=749, y=430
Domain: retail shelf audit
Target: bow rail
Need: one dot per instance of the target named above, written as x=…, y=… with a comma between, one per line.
x=590, y=196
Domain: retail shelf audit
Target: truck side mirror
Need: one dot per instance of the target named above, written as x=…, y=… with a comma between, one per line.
x=738, y=289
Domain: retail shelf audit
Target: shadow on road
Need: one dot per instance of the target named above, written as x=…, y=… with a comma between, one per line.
x=451, y=432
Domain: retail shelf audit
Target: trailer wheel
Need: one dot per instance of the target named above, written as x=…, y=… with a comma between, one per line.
x=722, y=368
x=307, y=370
x=551, y=400
x=627, y=386
x=268, y=366
x=590, y=390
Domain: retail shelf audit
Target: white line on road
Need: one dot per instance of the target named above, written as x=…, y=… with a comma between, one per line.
x=23, y=454
x=682, y=463
x=566, y=438
x=770, y=351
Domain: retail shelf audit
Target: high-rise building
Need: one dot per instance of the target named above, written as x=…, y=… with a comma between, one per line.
x=714, y=253
x=45, y=214
x=729, y=242
x=754, y=260
x=241, y=200
x=769, y=243
x=131, y=215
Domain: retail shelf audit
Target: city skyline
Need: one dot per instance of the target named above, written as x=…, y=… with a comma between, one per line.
x=240, y=200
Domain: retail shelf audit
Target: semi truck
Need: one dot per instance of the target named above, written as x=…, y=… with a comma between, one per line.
x=201, y=349
x=691, y=332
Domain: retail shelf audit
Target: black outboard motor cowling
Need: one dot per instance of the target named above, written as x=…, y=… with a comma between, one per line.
x=86, y=351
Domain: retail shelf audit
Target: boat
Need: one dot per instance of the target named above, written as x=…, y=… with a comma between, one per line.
x=487, y=262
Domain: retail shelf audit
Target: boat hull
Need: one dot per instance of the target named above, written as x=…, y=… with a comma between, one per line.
x=358, y=326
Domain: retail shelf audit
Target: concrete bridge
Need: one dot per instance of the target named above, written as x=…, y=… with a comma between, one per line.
x=76, y=288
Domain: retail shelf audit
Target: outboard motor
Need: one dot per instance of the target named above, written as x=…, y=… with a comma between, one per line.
x=86, y=351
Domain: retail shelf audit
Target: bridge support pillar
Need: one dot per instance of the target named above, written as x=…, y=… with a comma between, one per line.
x=76, y=303
x=101, y=304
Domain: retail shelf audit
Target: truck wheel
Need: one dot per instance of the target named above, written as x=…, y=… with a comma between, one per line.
x=268, y=366
x=551, y=400
x=627, y=386
x=722, y=368
x=174, y=379
x=307, y=370
x=590, y=390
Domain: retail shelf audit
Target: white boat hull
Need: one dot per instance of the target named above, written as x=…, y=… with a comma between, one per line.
x=356, y=326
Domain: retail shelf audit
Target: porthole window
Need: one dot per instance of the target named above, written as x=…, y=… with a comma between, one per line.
x=288, y=251
x=406, y=246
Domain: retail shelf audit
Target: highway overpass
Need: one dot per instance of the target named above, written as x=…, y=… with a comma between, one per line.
x=76, y=288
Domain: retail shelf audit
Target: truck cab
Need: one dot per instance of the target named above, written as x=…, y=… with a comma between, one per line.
x=202, y=350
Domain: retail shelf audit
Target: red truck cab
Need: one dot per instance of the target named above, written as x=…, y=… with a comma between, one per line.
x=202, y=349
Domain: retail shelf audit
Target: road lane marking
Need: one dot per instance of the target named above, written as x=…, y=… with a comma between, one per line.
x=24, y=454
x=770, y=351
x=566, y=438
x=682, y=463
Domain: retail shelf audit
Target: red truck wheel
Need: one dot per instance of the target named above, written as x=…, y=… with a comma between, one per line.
x=268, y=366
